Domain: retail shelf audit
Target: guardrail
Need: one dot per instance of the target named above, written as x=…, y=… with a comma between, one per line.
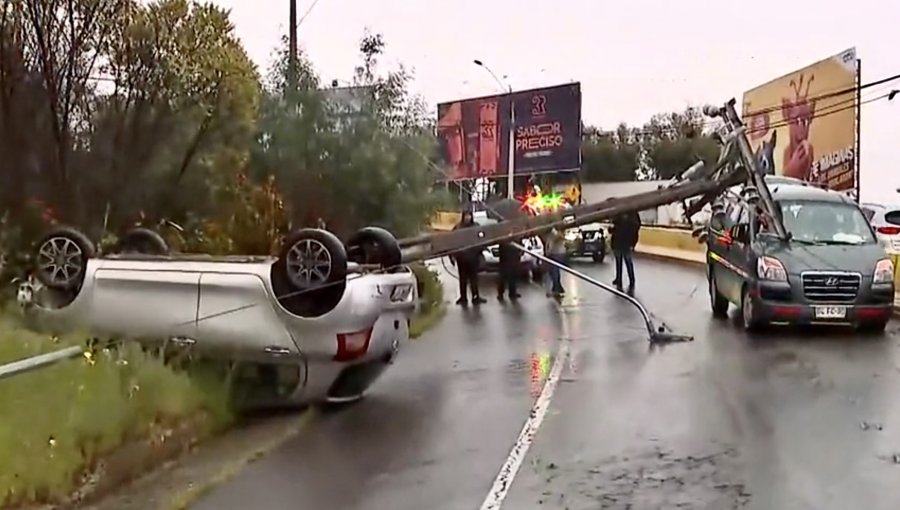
x=40, y=361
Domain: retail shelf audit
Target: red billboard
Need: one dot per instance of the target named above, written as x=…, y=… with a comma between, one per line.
x=474, y=133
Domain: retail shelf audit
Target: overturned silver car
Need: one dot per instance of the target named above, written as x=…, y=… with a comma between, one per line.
x=332, y=315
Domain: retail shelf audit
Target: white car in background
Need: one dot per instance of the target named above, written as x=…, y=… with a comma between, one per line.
x=530, y=266
x=885, y=219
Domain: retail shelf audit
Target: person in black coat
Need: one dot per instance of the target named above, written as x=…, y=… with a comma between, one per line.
x=625, y=231
x=509, y=259
x=467, y=262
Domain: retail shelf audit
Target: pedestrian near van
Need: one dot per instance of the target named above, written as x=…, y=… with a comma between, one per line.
x=509, y=258
x=467, y=262
x=556, y=251
x=625, y=232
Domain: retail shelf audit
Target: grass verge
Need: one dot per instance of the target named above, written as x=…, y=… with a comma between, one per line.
x=61, y=422
x=431, y=293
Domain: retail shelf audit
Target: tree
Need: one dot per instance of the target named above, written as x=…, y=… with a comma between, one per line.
x=609, y=156
x=663, y=147
x=354, y=156
x=142, y=105
x=674, y=141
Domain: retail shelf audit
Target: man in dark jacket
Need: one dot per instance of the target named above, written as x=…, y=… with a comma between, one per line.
x=625, y=230
x=509, y=259
x=467, y=262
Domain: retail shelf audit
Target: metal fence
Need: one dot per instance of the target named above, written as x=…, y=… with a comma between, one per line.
x=40, y=361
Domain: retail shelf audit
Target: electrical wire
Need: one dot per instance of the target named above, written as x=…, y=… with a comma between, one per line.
x=305, y=14
x=712, y=123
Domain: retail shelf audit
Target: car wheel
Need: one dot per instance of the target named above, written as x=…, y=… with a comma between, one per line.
x=749, y=317
x=374, y=245
x=717, y=302
x=310, y=274
x=144, y=241
x=598, y=257
x=62, y=257
x=537, y=274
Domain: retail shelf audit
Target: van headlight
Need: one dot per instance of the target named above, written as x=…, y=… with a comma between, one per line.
x=884, y=271
x=770, y=269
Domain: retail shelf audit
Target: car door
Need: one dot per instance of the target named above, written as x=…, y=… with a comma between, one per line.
x=741, y=251
x=735, y=243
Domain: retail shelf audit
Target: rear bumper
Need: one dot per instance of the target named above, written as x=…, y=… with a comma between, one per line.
x=577, y=248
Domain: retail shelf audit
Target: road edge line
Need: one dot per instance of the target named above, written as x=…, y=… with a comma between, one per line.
x=503, y=481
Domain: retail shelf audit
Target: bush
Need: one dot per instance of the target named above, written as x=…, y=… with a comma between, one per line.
x=60, y=420
x=431, y=299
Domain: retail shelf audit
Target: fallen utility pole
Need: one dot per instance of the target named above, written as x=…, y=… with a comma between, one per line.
x=736, y=165
x=440, y=244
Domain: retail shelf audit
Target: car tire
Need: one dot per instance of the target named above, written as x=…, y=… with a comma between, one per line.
x=598, y=257
x=374, y=245
x=749, y=318
x=70, y=244
x=717, y=301
x=537, y=274
x=144, y=241
x=310, y=274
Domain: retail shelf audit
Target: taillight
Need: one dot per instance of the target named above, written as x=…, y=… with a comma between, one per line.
x=352, y=345
x=889, y=231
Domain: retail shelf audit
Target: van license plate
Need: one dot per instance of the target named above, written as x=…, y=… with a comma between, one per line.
x=831, y=312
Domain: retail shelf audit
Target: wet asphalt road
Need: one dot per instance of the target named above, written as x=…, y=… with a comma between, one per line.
x=792, y=420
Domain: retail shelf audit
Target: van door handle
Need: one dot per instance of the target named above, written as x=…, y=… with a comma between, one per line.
x=277, y=351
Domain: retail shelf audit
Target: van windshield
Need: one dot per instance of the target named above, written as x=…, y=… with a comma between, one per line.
x=816, y=222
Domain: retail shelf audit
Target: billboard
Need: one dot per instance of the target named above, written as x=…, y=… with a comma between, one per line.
x=801, y=126
x=474, y=133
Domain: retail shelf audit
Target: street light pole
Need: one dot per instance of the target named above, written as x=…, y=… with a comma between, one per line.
x=511, y=170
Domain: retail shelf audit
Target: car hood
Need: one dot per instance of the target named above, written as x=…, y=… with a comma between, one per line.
x=798, y=257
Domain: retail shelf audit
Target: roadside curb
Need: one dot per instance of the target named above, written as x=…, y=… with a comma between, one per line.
x=183, y=480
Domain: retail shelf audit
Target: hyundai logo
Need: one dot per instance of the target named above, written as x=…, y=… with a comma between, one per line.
x=831, y=281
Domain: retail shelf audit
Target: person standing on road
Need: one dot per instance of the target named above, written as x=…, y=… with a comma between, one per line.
x=509, y=259
x=466, y=262
x=556, y=251
x=625, y=231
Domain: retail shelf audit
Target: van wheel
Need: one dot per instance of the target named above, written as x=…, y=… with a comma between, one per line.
x=144, y=241
x=717, y=301
x=749, y=317
x=310, y=274
x=62, y=257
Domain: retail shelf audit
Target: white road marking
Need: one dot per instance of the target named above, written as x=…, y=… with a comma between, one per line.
x=504, y=480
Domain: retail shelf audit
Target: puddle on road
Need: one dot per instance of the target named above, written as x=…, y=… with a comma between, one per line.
x=652, y=478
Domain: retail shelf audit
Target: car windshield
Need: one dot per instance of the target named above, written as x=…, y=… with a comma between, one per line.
x=818, y=222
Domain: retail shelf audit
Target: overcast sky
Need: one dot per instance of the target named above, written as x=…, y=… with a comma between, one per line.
x=633, y=58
